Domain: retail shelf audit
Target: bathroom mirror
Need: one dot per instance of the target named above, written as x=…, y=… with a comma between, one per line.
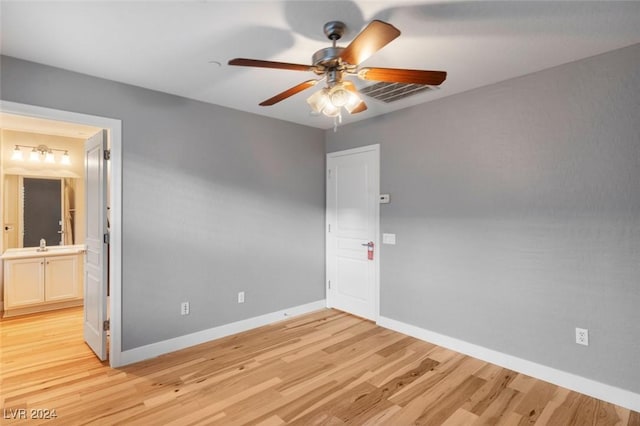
x=42, y=211
x=38, y=207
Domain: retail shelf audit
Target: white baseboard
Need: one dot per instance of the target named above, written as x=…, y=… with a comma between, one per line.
x=612, y=394
x=160, y=348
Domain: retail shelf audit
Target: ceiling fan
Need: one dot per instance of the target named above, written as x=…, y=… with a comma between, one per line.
x=334, y=63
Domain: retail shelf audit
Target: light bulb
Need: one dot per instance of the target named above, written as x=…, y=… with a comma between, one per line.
x=66, y=160
x=17, y=154
x=339, y=96
x=34, y=155
x=331, y=110
x=48, y=158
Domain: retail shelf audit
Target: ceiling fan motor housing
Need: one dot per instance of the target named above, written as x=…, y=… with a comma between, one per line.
x=327, y=57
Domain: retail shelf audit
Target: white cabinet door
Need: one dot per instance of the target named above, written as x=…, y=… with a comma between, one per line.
x=61, y=278
x=23, y=280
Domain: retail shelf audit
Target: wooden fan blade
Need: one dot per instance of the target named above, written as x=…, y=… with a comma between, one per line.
x=243, y=62
x=397, y=75
x=374, y=37
x=362, y=106
x=359, y=108
x=289, y=92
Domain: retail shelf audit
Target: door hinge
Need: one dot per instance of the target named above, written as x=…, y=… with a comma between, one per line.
x=329, y=284
x=106, y=238
x=329, y=229
x=328, y=173
x=107, y=154
x=106, y=325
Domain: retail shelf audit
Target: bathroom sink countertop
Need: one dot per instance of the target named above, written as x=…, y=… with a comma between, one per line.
x=21, y=253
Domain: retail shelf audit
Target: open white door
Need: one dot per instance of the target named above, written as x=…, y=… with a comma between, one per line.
x=352, y=230
x=95, y=265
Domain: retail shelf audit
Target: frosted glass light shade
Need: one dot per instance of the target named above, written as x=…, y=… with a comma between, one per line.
x=339, y=96
x=16, y=155
x=34, y=155
x=354, y=101
x=48, y=158
x=318, y=100
x=66, y=160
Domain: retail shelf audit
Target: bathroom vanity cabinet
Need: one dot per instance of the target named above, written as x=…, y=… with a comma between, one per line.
x=41, y=281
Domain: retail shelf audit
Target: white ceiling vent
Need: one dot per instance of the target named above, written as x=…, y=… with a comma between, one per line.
x=390, y=92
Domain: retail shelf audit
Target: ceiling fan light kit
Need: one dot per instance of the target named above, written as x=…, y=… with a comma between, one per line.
x=327, y=100
x=334, y=63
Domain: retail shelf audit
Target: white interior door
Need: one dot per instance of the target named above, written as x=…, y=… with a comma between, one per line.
x=352, y=227
x=95, y=266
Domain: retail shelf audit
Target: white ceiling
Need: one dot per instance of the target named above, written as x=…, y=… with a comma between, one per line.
x=174, y=46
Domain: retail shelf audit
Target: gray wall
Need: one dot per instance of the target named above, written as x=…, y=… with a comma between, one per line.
x=215, y=201
x=517, y=213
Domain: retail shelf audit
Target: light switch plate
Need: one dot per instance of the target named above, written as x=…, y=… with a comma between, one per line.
x=388, y=238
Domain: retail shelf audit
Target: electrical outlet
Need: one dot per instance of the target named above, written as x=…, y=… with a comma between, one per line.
x=582, y=336
x=184, y=308
x=241, y=297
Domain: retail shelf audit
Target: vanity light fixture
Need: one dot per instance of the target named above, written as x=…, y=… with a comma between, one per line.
x=41, y=153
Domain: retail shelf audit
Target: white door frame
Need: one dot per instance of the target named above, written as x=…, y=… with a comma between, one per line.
x=376, y=257
x=114, y=130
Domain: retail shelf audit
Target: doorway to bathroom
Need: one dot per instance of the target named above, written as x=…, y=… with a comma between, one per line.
x=76, y=194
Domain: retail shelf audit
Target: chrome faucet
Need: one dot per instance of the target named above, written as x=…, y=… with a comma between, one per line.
x=43, y=245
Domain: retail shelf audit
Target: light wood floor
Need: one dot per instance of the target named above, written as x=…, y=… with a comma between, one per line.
x=323, y=368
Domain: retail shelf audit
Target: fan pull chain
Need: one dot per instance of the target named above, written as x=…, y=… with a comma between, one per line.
x=337, y=120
